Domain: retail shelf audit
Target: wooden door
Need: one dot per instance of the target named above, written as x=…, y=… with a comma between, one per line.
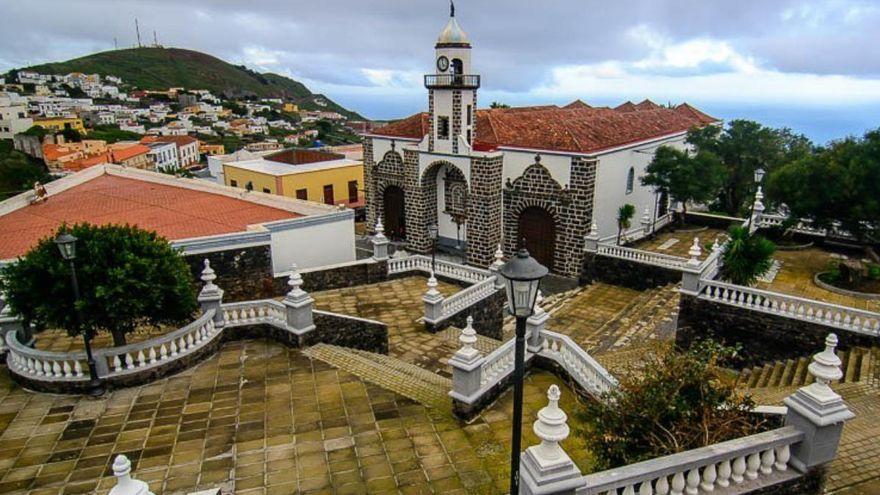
x=328, y=194
x=537, y=228
x=395, y=219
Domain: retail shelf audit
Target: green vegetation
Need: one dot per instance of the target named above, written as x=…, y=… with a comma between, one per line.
x=625, y=215
x=162, y=68
x=683, y=177
x=112, y=134
x=496, y=104
x=18, y=172
x=840, y=183
x=747, y=256
x=741, y=148
x=674, y=402
x=128, y=277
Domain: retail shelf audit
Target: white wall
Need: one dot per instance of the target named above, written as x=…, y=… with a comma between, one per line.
x=516, y=162
x=446, y=226
x=611, y=174
x=313, y=244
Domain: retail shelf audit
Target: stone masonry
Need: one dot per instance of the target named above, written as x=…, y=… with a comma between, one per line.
x=484, y=210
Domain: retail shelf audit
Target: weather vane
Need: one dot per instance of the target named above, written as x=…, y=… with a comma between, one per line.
x=451, y=8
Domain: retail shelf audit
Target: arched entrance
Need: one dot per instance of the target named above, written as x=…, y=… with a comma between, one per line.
x=394, y=213
x=538, y=228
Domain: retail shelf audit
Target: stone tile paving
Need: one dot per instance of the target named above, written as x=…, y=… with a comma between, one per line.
x=258, y=418
x=59, y=341
x=685, y=241
x=796, y=278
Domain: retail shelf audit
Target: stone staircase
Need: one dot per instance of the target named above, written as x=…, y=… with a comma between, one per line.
x=388, y=372
x=649, y=316
x=858, y=364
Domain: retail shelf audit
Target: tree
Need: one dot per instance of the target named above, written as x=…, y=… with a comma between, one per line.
x=497, y=104
x=624, y=219
x=683, y=177
x=840, y=183
x=672, y=402
x=743, y=147
x=71, y=135
x=746, y=256
x=18, y=172
x=127, y=276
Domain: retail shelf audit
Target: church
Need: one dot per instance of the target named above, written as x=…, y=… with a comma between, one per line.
x=542, y=174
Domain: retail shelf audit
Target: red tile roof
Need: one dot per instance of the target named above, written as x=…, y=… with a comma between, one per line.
x=178, y=140
x=576, y=127
x=86, y=162
x=174, y=212
x=124, y=153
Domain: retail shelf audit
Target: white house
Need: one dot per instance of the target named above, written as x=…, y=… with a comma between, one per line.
x=163, y=155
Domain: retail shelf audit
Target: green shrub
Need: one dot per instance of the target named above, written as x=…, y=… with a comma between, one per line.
x=746, y=257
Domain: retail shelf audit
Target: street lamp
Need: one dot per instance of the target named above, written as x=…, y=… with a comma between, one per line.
x=67, y=246
x=433, y=232
x=759, y=176
x=523, y=275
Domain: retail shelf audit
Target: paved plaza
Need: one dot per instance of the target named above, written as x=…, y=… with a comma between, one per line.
x=679, y=242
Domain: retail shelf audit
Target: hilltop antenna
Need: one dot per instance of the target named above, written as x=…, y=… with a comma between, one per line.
x=115, y=44
x=137, y=31
x=155, y=39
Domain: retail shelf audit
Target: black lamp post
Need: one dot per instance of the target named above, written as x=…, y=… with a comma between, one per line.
x=67, y=245
x=759, y=176
x=433, y=232
x=523, y=275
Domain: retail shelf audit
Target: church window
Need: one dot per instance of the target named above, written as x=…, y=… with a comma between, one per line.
x=630, y=180
x=442, y=127
x=469, y=116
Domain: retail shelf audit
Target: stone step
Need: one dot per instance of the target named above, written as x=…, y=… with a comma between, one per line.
x=788, y=373
x=776, y=374
x=858, y=364
x=387, y=372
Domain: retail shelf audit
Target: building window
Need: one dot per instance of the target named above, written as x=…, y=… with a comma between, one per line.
x=630, y=179
x=468, y=115
x=469, y=136
x=302, y=194
x=352, y=191
x=233, y=183
x=328, y=194
x=442, y=127
x=267, y=190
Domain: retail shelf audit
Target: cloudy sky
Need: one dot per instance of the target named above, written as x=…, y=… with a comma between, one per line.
x=813, y=65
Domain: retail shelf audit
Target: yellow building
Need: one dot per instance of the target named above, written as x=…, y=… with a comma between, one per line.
x=309, y=175
x=291, y=107
x=61, y=123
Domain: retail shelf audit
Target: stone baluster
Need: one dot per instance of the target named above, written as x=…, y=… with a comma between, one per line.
x=546, y=468
x=125, y=484
x=495, y=268
x=299, y=304
x=535, y=325
x=211, y=296
x=592, y=240
x=818, y=411
x=380, y=242
x=466, y=363
x=433, y=300
x=646, y=222
x=695, y=252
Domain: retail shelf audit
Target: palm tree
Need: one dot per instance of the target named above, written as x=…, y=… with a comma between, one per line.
x=624, y=219
x=746, y=257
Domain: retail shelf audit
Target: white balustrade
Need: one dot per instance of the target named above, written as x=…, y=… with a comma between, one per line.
x=254, y=312
x=498, y=364
x=640, y=256
x=466, y=298
x=448, y=269
x=585, y=370
x=45, y=365
x=823, y=313
x=720, y=466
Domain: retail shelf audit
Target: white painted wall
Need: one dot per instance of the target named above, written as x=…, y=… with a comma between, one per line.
x=516, y=162
x=611, y=173
x=313, y=245
x=446, y=226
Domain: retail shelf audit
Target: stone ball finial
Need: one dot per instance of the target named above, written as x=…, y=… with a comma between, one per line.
x=208, y=275
x=594, y=230
x=715, y=244
x=432, y=285
x=551, y=426
x=646, y=216
x=380, y=229
x=468, y=335
x=121, y=466
x=295, y=280
x=826, y=365
x=695, y=251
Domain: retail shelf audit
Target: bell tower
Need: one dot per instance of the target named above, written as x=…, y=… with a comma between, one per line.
x=452, y=92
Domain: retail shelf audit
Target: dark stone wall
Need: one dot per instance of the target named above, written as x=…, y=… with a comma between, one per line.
x=243, y=274
x=763, y=337
x=336, y=278
x=484, y=210
x=694, y=218
x=626, y=273
x=488, y=317
x=341, y=330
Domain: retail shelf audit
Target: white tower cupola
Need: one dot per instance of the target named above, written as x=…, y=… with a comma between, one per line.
x=452, y=92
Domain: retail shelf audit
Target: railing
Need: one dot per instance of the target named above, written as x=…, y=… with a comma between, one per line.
x=585, y=370
x=720, y=466
x=266, y=311
x=465, y=81
x=833, y=315
x=444, y=268
x=647, y=257
x=803, y=226
x=498, y=364
x=465, y=298
x=139, y=356
x=45, y=365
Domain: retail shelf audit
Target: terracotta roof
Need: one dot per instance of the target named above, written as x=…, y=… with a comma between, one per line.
x=52, y=152
x=178, y=140
x=124, y=153
x=173, y=212
x=576, y=128
x=86, y=162
x=577, y=104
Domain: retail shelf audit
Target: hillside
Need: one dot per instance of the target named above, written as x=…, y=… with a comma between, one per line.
x=161, y=68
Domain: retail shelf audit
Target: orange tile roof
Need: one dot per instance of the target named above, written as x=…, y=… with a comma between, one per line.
x=575, y=128
x=173, y=212
x=124, y=153
x=86, y=162
x=52, y=152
